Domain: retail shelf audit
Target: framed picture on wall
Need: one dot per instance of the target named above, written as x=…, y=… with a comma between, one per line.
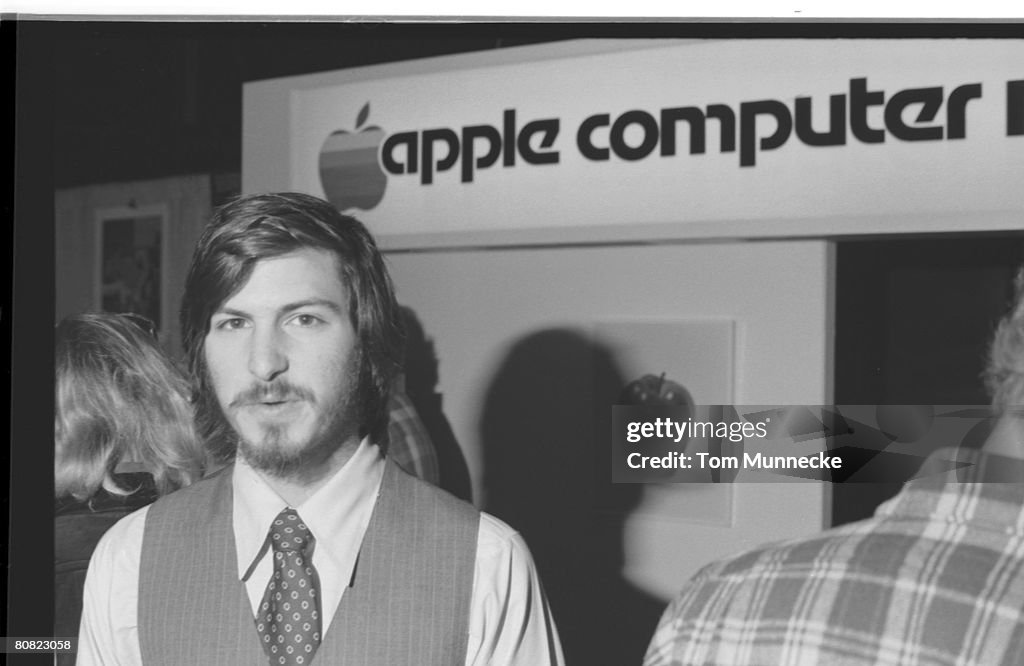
x=130, y=261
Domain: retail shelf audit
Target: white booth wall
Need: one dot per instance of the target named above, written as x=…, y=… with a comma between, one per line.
x=477, y=304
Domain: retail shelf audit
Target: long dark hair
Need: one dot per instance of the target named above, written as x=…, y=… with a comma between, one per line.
x=251, y=228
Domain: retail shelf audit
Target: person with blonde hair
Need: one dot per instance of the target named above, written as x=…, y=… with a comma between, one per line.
x=123, y=435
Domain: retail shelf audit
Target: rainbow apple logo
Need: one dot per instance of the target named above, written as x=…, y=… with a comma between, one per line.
x=349, y=172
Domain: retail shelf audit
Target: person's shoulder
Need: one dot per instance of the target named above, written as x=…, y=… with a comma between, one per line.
x=128, y=526
x=203, y=488
x=426, y=492
x=497, y=529
x=124, y=539
x=187, y=509
x=497, y=540
x=838, y=544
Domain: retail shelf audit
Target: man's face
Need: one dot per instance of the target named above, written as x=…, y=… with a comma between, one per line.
x=283, y=360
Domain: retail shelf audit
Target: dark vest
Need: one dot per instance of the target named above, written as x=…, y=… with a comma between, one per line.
x=408, y=601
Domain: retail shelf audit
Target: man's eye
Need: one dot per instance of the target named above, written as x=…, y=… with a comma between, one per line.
x=307, y=320
x=232, y=324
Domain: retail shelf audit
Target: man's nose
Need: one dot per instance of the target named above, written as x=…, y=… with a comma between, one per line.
x=267, y=356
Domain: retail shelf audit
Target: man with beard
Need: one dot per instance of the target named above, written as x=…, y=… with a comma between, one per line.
x=309, y=543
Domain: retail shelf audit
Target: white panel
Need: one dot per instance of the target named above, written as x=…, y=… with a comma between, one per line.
x=480, y=306
x=864, y=185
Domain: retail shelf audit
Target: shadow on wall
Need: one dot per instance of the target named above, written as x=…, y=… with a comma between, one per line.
x=545, y=429
x=421, y=386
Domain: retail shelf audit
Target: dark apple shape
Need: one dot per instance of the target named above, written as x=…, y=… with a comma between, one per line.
x=349, y=170
x=655, y=392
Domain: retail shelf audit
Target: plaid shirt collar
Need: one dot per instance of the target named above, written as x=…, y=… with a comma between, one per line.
x=991, y=495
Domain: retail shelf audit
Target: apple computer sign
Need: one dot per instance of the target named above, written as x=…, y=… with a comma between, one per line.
x=349, y=172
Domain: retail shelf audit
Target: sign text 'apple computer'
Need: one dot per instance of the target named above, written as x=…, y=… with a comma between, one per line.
x=637, y=134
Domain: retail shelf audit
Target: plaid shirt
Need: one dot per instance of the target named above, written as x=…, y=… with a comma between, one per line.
x=935, y=577
x=409, y=444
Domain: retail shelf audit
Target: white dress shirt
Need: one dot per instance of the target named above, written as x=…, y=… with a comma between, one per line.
x=509, y=623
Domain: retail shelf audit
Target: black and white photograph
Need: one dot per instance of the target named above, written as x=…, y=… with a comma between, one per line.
x=525, y=342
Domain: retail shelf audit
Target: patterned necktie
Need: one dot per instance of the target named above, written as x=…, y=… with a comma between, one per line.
x=289, y=615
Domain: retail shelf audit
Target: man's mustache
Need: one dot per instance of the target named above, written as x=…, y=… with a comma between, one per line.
x=279, y=391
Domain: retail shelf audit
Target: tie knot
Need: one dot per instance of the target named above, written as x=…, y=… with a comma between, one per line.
x=288, y=532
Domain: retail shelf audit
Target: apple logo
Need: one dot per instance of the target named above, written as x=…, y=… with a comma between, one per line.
x=656, y=392
x=651, y=397
x=349, y=171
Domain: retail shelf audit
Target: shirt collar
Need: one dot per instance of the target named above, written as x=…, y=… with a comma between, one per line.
x=337, y=514
x=964, y=486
